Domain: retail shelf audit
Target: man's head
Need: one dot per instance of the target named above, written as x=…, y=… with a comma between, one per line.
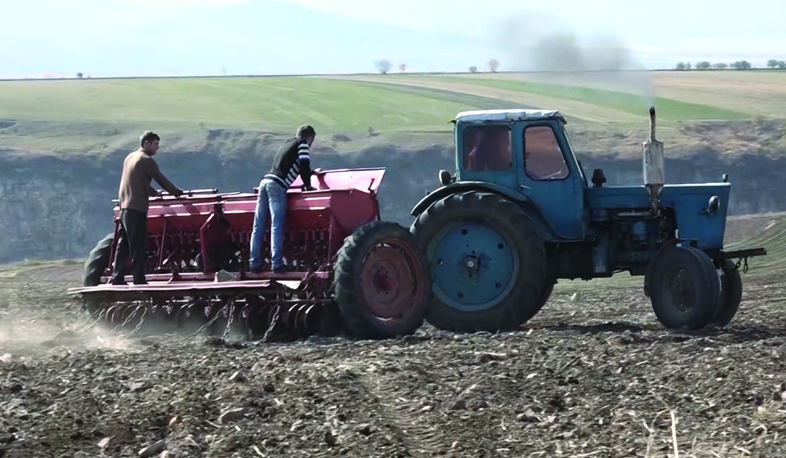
x=149, y=141
x=307, y=133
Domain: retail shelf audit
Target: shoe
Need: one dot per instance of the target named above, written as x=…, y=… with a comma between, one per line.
x=257, y=270
x=283, y=269
x=119, y=282
x=140, y=282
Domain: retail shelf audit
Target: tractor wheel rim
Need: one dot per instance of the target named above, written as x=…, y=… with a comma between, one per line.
x=474, y=266
x=391, y=281
x=680, y=289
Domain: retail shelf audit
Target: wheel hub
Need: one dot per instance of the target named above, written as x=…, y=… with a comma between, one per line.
x=390, y=280
x=680, y=290
x=473, y=266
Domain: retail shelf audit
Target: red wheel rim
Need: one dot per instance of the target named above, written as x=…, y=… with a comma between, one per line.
x=391, y=281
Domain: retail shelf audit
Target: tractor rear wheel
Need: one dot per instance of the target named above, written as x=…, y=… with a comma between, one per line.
x=95, y=266
x=545, y=295
x=488, y=264
x=684, y=288
x=381, y=282
x=731, y=293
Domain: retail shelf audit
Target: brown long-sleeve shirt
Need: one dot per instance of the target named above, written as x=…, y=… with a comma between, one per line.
x=135, y=190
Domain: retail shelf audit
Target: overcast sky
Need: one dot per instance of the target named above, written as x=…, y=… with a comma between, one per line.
x=695, y=26
x=657, y=34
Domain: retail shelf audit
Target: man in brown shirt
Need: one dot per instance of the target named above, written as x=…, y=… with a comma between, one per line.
x=139, y=168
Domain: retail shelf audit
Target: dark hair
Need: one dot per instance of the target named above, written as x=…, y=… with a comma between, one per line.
x=306, y=131
x=148, y=136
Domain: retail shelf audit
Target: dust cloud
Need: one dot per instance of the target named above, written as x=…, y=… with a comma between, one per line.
x=550, y=51
x=37, y=317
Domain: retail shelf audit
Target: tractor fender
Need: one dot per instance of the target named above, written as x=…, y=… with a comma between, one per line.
x=532, y=212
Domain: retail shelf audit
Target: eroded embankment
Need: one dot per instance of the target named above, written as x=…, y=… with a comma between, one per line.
x=53, y=207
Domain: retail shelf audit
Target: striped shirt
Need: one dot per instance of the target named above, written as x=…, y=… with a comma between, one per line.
x=291, y=160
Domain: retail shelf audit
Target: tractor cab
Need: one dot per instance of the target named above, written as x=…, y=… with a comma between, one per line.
x=527, y=152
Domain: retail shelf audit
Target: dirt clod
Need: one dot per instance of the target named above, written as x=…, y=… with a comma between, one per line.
x=330, y=438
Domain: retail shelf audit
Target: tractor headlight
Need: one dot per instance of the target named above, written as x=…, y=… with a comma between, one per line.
x=713, y=204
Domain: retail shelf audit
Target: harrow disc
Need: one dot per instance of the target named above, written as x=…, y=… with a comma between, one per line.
x=248, y=316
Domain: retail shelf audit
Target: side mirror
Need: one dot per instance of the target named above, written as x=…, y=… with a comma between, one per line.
x=725, y=177
x=445, y=178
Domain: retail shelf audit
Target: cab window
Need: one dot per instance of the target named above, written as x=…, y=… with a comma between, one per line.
x=543, y=158
x=487, y=148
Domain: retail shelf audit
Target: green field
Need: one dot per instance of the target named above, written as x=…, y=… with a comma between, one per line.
x=102, y=115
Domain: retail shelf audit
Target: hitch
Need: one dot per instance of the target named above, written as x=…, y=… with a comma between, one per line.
x=743, y=255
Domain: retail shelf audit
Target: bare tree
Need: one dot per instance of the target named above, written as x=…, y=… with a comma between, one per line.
x=383, y=66
x=402, y=67
x=493, y=65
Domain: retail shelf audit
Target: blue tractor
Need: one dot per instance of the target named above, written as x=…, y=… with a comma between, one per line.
x=518, y=214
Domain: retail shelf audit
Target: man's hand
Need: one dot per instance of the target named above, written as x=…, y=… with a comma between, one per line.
x=308, y=188
x=178, y=193
x=154, y=193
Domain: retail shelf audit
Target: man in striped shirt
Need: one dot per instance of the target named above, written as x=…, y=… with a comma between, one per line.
x=291, y=160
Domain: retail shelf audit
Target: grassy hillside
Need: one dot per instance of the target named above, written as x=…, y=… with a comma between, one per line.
x=274, y=104
x=607, y=112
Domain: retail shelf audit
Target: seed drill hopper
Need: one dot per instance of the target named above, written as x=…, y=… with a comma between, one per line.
x=351, y=271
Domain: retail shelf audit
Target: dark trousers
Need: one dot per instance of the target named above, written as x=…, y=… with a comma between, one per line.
x=133, y=240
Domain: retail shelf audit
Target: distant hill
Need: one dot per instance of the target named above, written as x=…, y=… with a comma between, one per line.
x=257, y=37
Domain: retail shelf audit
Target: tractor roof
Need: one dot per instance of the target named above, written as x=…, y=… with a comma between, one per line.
x=508, y=115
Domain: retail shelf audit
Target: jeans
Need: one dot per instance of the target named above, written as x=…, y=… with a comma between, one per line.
x=132, y=240
x=272, y=202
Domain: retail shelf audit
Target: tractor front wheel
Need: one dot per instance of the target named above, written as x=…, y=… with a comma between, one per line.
x=684, y=288
x=731, y=293
x=381, y=284
x=488, y=264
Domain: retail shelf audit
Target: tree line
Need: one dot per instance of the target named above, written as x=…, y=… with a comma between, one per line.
x=739, y=65
x=384, y=66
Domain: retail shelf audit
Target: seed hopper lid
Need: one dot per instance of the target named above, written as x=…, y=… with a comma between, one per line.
x=366, y=180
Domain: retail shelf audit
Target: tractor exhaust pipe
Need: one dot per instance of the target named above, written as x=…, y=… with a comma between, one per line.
x=653, y=166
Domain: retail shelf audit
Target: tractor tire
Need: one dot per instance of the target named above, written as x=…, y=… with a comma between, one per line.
x=95, y=266
x=731, y=294
x=684, y=288
x=381, y=282
x=488, y=265
x=548, y=288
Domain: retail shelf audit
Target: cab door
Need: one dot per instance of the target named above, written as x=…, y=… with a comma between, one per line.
x=548, y=176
